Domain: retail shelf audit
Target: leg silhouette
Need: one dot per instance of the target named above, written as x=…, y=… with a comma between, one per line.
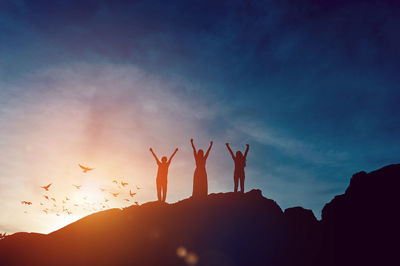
x=164, y=190
x=236, y=182
x=242, y=184
x=158, y=189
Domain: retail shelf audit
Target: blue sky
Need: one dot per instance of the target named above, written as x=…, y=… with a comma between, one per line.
x=312, y=86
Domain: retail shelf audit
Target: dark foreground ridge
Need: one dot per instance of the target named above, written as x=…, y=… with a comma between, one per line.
x=357, y=228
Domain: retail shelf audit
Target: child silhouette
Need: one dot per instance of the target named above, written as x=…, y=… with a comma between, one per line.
x=162, y=174
x=240, y=164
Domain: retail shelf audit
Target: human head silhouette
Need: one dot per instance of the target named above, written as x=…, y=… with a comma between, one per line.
x=200, y=153
x=239, y=154
x=164, y=159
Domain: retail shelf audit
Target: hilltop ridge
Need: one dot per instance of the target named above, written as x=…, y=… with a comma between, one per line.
x=226, y=229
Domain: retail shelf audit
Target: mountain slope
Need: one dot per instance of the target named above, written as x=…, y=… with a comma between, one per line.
x=226, y=229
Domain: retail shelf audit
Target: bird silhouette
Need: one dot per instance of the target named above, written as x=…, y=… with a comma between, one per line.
x=69, y=213
x=2, y=235
x=123, y=183
x=66, y=198
x=137, y=187
x=46, y=187
x=46, y=197
x=41, y=203
x=45, y=211
x=53, y=199
x=126, y=199
x=114, y=194
x=131, y=194
x=77, y=186
x=26, y=202
x=105, y=200
x=85, y=169
x=137, y=203
x=115, y=181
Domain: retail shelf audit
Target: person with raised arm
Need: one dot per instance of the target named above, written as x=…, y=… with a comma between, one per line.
x=200, y=185
x=162, y=174
x=240, y=164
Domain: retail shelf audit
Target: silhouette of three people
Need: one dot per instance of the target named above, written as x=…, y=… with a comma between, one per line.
x=162, y=174
x=200, y=185
x=240, y=164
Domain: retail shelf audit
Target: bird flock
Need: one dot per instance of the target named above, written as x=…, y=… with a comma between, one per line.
x=67, y=205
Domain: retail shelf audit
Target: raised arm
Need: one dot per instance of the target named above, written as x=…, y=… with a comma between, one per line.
x=194, y=148
x=230, y=151
x=155, y=156
x=208, y=151
x=247, y=150
x=170, y=158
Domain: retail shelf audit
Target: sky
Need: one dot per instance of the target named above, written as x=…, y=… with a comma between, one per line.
x=311, y=85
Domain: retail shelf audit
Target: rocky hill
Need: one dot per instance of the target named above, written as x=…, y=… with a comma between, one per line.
x=357, y=228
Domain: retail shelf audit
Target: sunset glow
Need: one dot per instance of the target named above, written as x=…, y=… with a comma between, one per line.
x=311, y=86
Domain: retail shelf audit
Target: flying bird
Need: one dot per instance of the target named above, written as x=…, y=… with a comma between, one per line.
x=105, y=199
x=137, y=203
x=123, y=183
x=137, y=187
x=115, y=181
x=26, y=202
x=85, y=169
x=45, y=211
x=41, y=203
x=131, y=194
x=66, y=198
x=46, y=187
x=46, y=197
x=77, y=186
x=53, y=199
x=126, y=199
x=114, y=194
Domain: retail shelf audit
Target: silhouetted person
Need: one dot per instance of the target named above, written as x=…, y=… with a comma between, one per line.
x=162, y=174
x=200, y=186
x=240, y=164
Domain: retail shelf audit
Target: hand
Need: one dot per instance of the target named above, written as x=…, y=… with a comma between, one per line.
x=151, y=149
x=211, y=143
x=191, y=140
x=176, y=149
x=227, y=144
x=247, y=145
